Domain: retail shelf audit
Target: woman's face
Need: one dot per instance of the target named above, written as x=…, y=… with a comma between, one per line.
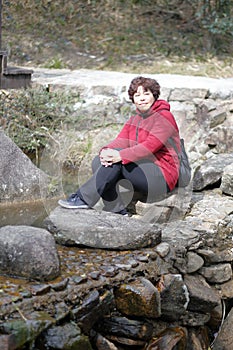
x=143, y=100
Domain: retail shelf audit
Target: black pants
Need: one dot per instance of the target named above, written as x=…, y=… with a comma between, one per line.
x=144, y=177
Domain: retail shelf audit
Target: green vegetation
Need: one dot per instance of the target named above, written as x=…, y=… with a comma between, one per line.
x=31, y=116
x=55, y=63
x=178, y=36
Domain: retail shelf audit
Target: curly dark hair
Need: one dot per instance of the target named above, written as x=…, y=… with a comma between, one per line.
x=147, y=84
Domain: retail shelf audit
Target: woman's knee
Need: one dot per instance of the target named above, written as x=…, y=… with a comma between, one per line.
x=95, y=163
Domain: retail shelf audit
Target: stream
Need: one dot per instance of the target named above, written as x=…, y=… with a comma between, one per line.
x=29, y=213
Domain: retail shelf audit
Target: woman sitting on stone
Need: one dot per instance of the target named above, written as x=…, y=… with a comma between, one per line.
x=141, y=154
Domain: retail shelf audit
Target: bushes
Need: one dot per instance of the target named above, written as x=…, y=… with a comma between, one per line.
x=216, y=18
x=29, y=116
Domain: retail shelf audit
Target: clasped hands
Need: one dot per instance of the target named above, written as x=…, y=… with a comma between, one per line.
x=109, y=156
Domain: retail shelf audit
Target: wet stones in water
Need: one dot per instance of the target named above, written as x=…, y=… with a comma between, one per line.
x=169, y=339
x=40, y=289
x=135, y=343
x=93, y=309
x=67, y=336
x=79, y=279
x=139, y=298
x=94, y=275
x=108, y=271
x=90, y=302
x=126, y=328
x=102, y=343
x=25, y=330
x=60, y=285
x=62, y=311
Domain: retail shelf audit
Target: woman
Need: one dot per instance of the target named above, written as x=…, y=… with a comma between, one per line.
x=142, y=154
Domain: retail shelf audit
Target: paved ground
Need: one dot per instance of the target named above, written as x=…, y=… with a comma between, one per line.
x=88, y=78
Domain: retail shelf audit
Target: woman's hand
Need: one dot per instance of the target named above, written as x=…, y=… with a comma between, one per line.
x=109, y=156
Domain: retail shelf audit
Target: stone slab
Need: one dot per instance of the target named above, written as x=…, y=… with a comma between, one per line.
x=89, y=78
x=99, y=229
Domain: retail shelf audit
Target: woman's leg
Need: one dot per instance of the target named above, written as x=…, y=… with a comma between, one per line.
x=103, y=183
x=146, y=178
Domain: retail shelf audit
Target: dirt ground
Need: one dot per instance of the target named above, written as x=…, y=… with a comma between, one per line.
x=112, y=35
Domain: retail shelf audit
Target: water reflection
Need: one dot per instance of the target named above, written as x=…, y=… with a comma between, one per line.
x=32, y=213
x=26, y=213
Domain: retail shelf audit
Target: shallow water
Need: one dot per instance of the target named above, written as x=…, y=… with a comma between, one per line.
x=28, y=213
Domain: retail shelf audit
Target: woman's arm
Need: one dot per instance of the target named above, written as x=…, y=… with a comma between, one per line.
x=122, y=139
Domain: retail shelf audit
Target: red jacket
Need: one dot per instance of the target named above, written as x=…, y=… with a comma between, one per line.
x=145, y=135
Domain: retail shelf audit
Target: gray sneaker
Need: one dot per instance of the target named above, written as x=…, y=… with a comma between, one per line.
x=124, y=212
x=73, y=202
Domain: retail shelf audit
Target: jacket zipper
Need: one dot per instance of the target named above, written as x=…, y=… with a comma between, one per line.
x=139, y=122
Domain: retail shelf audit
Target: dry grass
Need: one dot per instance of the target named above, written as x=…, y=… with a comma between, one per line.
x=112, y=35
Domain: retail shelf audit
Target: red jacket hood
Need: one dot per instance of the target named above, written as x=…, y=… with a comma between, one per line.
x=160, y=104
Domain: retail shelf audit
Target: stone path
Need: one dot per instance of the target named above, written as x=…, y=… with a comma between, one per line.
x=89, y=78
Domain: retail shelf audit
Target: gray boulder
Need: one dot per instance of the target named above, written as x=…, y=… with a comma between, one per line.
x=220, y=138
x=28, y=252
x=210, y=212
x=202, y=297
x=98, y=229
x=20, y=179
x=218, y=273
x=211, y=171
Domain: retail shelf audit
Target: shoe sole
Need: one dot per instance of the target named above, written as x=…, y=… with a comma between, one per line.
x=70, y=206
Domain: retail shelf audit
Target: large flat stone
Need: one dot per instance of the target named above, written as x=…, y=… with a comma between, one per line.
x=99, y=229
